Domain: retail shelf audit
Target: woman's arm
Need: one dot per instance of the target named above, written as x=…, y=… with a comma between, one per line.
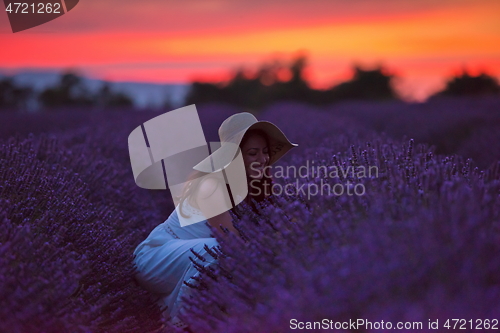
x=212, y=198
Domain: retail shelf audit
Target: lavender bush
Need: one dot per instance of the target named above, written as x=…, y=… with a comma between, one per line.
x=66, y=246
x=72, y=216
x=421, y=243
x=450, y=124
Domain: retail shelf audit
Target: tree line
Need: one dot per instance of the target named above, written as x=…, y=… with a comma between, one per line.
x=70, y=91
x=267, y=86
x=272, y=82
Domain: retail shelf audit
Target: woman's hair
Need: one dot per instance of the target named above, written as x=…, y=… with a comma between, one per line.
x=191, y=186
x=258, y=189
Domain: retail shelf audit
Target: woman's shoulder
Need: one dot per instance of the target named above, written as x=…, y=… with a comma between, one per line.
x=189, y=207
x=208, y=186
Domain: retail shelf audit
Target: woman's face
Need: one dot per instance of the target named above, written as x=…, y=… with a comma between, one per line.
x=255, y=156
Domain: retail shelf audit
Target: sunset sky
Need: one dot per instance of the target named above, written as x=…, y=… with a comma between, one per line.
x=421, y=41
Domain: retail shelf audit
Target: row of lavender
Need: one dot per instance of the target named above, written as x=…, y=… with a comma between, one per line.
x=421, y=242
x=468, y=126
x=69, y=220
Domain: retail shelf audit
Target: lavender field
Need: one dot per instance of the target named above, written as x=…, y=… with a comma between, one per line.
x=423, y=242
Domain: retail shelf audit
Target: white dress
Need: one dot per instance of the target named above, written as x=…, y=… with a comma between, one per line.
x=162, y=259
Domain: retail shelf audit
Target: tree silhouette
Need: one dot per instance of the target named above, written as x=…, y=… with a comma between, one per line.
x=296, y=88
x=12, y=96
x=202, y=92
x=70, y=91
x=267, y=86
x=105, y=97
x=466, y=84
x=365, y=85
x=255, y=91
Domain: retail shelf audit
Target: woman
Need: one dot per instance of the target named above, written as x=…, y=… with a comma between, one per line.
x=163, y=258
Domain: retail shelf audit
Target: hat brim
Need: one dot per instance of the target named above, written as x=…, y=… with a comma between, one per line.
x=220, y=159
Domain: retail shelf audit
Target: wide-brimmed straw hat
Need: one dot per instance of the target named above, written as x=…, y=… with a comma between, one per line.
x=231, y=133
